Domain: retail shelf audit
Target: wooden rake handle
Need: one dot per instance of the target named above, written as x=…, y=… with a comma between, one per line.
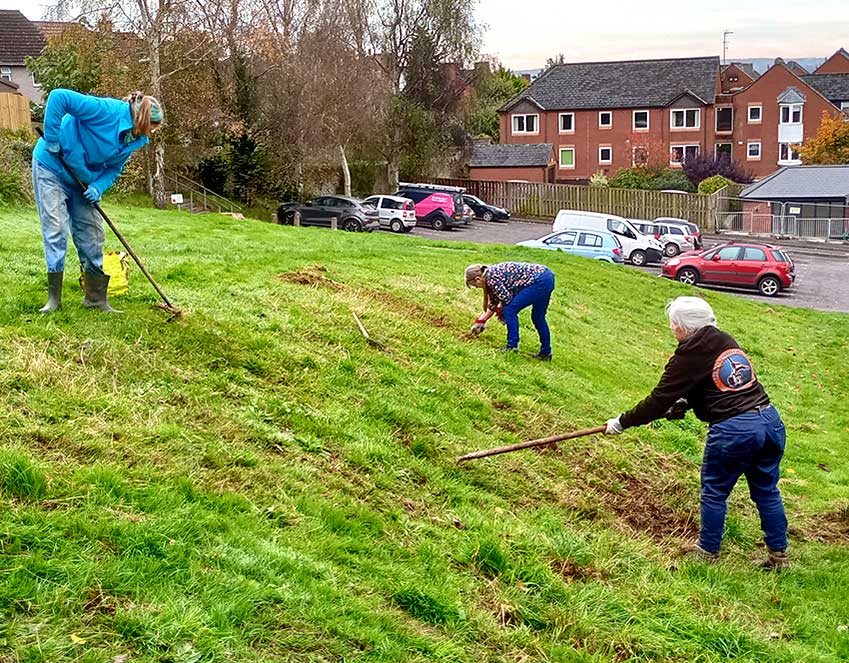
x=531, y=443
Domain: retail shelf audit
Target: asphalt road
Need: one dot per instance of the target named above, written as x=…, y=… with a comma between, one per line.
x=822, y=273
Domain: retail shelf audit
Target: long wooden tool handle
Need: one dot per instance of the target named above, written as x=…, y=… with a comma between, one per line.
x=531, y=443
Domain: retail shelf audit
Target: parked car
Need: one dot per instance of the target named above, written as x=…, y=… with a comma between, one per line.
x=595, y=244
x=744, y=265
x=673, y=237
x=350, y=213
x=639, y=249
x=396, y=213
x=485, y=211
x=694, y=230
x=440, y=207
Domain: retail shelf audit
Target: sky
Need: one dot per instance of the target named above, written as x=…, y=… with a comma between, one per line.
x=523, y=33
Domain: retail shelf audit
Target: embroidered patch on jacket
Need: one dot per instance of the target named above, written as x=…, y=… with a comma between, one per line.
x=732, y=371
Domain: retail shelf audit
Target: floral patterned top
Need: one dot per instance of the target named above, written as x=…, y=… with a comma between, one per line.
x=505, y=279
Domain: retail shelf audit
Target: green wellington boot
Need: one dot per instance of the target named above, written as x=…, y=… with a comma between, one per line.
x=96, y=286
x=54, y=292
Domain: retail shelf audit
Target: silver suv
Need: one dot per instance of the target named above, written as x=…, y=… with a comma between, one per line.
x=674, y=237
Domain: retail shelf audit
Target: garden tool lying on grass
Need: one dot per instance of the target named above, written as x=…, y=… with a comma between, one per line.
x=531, y=443
x=167, y=306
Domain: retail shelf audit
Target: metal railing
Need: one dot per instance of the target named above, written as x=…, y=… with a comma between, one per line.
x=198, y=194
x=783, y=226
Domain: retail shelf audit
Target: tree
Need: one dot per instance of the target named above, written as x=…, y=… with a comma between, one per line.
x=705, y=165
x=71, y=60
x=489, y=95
x=830, y=145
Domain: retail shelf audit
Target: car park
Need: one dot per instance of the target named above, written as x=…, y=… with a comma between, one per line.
x=396, y=213
x=350, y=213
x=485, y=211
x=673, y=238
x=595, y=244
x=440, y=207
x=639, y=249
x=765, y=267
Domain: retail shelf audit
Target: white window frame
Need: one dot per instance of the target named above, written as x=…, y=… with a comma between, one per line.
x=683, y=147
x=844, y=106
x=514, y=118
x=560, y=152
x=697, y=126
x=605, y=126
x=35, y=83
x=749, y=146
x=760, y=114
x=634, y=120
x=790, y=150
x=605, y=147
x=716, y=120
x=790, y=109
x=6, y=74
x=560, y=128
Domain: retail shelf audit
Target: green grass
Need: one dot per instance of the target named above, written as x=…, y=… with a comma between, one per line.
x=255, y=482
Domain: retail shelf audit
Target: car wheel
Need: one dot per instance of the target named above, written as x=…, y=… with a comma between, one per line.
x=352, y=225
x=288, y=218
x=769, y=286
x=439, y=223
x=638, y=257
x=688, y=275
x=487, y=216
x=396, y=226
x=671, y=250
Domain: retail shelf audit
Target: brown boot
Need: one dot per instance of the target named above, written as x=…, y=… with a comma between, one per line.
x=701, y=556
x=96, y=286
x=776, y=560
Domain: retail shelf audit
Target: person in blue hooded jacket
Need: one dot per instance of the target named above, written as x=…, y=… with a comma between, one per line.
x=96, y=137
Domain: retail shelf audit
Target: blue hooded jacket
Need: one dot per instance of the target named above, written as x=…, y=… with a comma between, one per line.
x=89, y=131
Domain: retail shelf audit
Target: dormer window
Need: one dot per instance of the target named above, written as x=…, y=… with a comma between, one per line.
x=791, y=114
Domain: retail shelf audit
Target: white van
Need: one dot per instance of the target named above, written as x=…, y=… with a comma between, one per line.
x=639, y=249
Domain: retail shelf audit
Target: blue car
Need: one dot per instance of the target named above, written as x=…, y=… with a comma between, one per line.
x=595, y=244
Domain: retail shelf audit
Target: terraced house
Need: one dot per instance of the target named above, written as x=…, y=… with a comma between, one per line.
x=604, y=116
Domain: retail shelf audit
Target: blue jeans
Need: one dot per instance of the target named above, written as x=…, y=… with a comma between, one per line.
x=538, y=295
x=750, y=444
x=61, y=207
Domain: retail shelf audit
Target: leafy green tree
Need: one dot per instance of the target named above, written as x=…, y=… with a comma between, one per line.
x=71, y=60
x=491, y=94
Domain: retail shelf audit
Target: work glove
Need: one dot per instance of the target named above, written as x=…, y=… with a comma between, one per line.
x=53, y=148
x=478, y=327
x=92, y=195
x=614, y=426
x=678, y=410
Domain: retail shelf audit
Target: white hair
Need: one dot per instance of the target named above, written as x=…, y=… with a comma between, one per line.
x=690, y=314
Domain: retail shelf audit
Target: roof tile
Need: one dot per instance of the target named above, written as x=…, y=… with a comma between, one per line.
x=511, y=156
x=19, y=37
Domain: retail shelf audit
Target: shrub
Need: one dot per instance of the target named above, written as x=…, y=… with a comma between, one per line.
x=599, y=181
x=670, y=179
x=705, y=165
x=631, y=178
x=713, y=184
x=16, y=167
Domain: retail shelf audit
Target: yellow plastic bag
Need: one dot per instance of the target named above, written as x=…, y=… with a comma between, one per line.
x=117, y=265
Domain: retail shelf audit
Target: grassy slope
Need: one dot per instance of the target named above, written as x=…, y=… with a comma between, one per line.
x=254, y=482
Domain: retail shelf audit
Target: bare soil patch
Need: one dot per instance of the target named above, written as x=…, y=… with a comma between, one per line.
x=314, y=275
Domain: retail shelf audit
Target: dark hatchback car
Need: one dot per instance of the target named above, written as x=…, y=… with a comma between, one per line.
x=350, y=213
x=742, y=265
x=484, y=210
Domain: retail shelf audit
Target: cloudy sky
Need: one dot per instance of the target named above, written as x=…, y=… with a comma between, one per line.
x=523, y=33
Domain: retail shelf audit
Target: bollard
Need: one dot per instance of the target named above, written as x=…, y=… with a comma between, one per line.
x=296, y=218
x=334, y=223
x=274, y=218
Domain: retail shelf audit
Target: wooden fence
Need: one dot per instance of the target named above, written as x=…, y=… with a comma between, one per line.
x=14, y=112
x=543, y=201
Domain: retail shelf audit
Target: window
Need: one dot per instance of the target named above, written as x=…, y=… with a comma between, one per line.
x=616, y=226
x=678, y=154
x=605, y=119
x=725, y=119
x=755, y=254
x=674, y=230
x=639, y=156
x=563, y=239
x=567, y=157
x=725, y=253
x=755, y=113
x=844, y=106
x=605, y=154
x=567, y=123
x=6, y=74
x=525, y=124
x=723, y=148
x=753, y=151
x=687, y=118
x=791, y=114
x=641, y=120
x=787, y=153
x=388, y=203
x=588, y=239
x=780, y=256
x=35, y=82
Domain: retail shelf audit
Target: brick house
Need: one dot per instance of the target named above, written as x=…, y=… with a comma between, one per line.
x=604, y=116
x=528, y=162
x=19, y=38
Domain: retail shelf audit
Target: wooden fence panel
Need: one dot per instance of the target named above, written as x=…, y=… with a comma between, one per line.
x=545, y=200
x=14, y=112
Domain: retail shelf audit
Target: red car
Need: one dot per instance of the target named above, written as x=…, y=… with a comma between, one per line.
x=743, y=265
